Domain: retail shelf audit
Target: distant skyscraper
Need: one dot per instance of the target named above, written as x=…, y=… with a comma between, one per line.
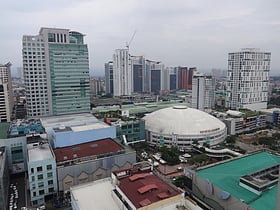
x=172, y=78
x=203, y=90
x=185, y=77
x=248, y=79
x=6, y=93
x=56, y=72
x=109, y=80
x=20, y=73
x=138, y=72
x=122, y=73
x=154, y=70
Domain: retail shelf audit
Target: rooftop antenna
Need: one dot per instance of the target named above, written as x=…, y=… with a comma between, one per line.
x=128, y=43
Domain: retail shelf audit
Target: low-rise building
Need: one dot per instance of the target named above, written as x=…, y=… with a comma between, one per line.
x=130, y=131
x=15, y=136
x=247, y=182
x=90, y=161
x=68, y=130
x=243, y=121
x=42, y=177
x=133, y=188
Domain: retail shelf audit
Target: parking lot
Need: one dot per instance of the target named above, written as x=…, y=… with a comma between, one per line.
x=17, y=194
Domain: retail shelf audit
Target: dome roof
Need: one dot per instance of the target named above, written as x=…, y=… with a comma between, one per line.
x=181, y=120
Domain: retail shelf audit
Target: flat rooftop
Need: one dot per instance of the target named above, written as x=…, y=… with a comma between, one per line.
x=68, y=120
x=93, y=148
x=226, y=176
x=145, y=188
x=97, y=194
x=38, y=152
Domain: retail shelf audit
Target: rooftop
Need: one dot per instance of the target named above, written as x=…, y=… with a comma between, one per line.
x=37, y=152
x=181, y=120
x=138, y=108
x=25, y=127
x=97, y=194
x=68, y=120
x=93, y=148
x=145, y=188
x=226, y=176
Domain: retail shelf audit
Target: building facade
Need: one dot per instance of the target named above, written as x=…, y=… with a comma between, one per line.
x=203, y=92
x=109, y=79
x=56, y=72
x=248, y=79
x=90, y=161
x=122, y=74
x=42, y=176
x=6, y=93
x=4, y=179
x=185, y=75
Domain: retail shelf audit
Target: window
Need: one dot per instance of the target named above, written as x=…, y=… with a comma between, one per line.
x=51, y=189
x=50, y=174
x=39, y=169
x=40, y=176
x=50, y=182
x=32, y=170
x=49, y=167
x=34, y=194
x=41, y=192
x=41, y=184
x=33, y=178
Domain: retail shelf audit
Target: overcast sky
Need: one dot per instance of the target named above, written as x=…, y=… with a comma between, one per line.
x=177, y=32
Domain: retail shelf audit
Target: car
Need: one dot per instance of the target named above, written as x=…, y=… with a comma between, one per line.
x=23, y=208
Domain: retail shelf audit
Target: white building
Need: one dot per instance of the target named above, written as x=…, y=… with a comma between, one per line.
x=122, y=74
x=180, y=126
x=42, y=176
x=56, y=72
x=6, y=93
x=203, y=92
x=248, y=79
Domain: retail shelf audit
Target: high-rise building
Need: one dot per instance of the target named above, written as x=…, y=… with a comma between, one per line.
x=203, y=92
x=173, y=85
x=56, y=72
x=109, y=81
x=6, y=93
x=185, y=77
x=122, y=74
x=248, y=79
x=154, y=71
x=138, y=72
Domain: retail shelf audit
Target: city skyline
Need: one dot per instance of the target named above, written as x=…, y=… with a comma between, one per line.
x=189, y=33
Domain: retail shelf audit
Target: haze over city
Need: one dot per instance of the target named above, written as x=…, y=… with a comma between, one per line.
x=178, y=33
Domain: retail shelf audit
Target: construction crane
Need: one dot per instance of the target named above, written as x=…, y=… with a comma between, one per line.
x=128, y=43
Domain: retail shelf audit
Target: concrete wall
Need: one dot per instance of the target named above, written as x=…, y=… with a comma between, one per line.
x=68, y=138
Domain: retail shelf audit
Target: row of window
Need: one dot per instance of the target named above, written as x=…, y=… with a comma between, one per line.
x=40, y=168
x=41, y=176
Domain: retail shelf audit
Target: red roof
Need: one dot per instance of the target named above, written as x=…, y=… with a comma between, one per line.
x=145, y=202
x=99, y=147
x=145, y=190
x=136, y=176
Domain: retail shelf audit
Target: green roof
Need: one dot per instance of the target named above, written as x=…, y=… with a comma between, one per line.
x=226, y=177
x=4, y=127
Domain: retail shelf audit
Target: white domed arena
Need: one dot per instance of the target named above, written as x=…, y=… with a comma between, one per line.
x=181, y=126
